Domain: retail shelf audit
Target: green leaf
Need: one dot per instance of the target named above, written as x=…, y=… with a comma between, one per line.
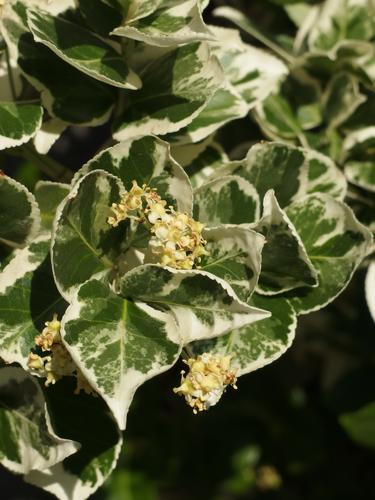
x=170, y=26
x=342, y=98
x=360, y=425
x=86, y=419
x=118, y=344
x=28, y=298
x=176, y=87
x=204, y=306
x=19, y=123
x=253, y=72
x=83, y=243
x=336, y=244
x=235, y=255
x=369, y=288
x=290, y=171
x=49, y=195
x=361, y=173
x=340, y=20
x=148, y=161
x=19, y=214
x=227, y=200
x=82, y=49
x=259, y=344
x=285, y=263
x=28, y=441
x=66, y=93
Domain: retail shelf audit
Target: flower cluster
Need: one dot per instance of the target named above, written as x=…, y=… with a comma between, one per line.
x=176, y=237
x=57, y=362
x=206, y=381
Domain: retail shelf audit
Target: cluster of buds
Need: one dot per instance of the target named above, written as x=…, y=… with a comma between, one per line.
x=206, y=381
x=176, y=240
x=57, y=362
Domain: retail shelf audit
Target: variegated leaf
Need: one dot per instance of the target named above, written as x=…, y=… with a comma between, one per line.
x=361, y=173
x=19, y=214
x=88, y=420
x=176, y=87
x=277, y=120
x=290, y=171
x=359, y=143
x=66, y=92
x=82, y=49
x=200, y=160
x=253, y=72
x=285, y=263
x=28, y=441
x=147, y=160
x=19, y=123
x=342, y=98
x=49, y=195
x=227, y=200
x=28, y=298
x=118, y=344
x=139, y=9
x=340, y=20
x=370, y=289
x=83, y=243
x=169, y=26
x=336, y=244
x=226, y=105
x=48, y=134
x=235, y=255
x=204, y=306
x=14, y=19
x=259, y=344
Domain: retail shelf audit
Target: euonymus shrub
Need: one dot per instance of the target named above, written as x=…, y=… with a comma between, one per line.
x=327, y=100
x=157, y=248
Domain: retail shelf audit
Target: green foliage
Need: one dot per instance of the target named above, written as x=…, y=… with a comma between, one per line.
x=272, y=230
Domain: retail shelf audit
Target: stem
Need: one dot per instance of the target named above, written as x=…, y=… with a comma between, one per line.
x=187, y=353
x=48, y=165
x=10, y=73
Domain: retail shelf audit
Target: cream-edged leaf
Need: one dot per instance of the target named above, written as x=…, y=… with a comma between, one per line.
x=82, y=49
x=83, y=243
x=235, y=255
x=19, y=214
x=176, y=88
x=28, y=298
x=290, y=171
x=87, y=419
x=168, y=27
x=19, y=123
x=226, y=200
x=146, y=160
x=336, y=244
x=285, y=263
x=260, y=343
x=204, y=305
x=29, y=442
x=118, y=344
